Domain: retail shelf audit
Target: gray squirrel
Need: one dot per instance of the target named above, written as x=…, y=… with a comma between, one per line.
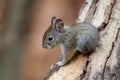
x=83, y=37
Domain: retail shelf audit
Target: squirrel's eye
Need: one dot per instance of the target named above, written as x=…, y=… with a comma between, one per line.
x=50, y=38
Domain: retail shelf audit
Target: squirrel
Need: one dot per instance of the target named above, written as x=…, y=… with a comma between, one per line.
x=82, y=37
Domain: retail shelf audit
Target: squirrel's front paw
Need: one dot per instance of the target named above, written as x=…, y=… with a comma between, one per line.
x=60, y=63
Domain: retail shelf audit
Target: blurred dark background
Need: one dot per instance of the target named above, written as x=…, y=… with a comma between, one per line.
x=22, y=25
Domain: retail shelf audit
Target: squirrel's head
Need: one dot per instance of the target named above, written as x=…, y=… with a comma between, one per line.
x=54, y=34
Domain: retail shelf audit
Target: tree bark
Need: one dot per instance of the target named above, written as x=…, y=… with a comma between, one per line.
x=104, y=63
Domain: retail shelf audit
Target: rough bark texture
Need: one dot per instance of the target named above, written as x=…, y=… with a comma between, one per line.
x=104, y=63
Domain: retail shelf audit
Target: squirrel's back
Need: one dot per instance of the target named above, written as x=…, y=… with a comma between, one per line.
x=86, y=36
x=83, y=29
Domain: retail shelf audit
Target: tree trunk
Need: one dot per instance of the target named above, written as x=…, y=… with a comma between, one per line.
x=15, y=30
x=104, y=63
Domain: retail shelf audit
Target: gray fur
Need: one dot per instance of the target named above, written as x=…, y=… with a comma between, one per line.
x=83, y=37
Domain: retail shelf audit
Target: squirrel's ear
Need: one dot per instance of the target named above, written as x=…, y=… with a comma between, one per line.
x=59, y=25
x=53, y=20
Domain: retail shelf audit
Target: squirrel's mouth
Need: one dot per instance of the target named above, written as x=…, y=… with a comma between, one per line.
x=48, y=46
